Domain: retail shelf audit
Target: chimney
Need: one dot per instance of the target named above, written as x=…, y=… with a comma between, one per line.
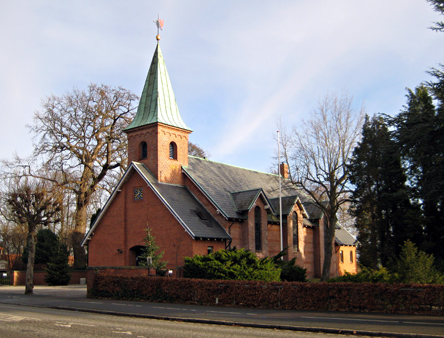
x=284, y=169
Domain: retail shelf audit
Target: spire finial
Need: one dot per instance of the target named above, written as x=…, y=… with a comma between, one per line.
x=159, y=24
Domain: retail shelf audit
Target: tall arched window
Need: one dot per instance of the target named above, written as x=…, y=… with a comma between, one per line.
x=295, y=232
x=143, y=150
x=173, y=151
x=257, y=229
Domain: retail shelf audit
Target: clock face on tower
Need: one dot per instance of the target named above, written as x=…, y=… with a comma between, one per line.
x=138, y=194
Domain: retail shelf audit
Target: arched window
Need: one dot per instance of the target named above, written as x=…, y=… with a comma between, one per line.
x=257, y=229
x=143, y=150
x=173, y=151
x=295, y=232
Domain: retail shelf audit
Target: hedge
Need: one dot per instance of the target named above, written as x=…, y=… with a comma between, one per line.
x=351, y=297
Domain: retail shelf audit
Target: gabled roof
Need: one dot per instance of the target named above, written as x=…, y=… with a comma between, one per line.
x=187, y=210
x=313, y=210
x=157, y=103
x=244, y=200
x=220, y=181
x=287, y=205
x=343, y=237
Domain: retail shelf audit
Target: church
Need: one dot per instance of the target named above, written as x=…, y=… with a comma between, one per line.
x=195, y=206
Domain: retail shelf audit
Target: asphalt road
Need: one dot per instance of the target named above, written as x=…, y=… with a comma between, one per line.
x=22, y=321
x=74, y=298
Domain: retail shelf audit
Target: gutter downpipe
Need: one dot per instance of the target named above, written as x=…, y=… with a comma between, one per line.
x=229, y=232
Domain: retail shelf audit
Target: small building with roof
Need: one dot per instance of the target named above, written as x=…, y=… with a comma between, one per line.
x=196, y=206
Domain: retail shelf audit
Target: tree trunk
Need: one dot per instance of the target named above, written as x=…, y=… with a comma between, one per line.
x=329, y=236
x=78, y=235
x=29, y=283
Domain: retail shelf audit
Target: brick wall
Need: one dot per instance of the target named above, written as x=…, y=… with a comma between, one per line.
x=19, y=277
x=158, y=138
x=123, y=227
x=346, y=261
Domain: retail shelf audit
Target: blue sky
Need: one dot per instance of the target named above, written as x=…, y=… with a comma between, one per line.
x=236, y=66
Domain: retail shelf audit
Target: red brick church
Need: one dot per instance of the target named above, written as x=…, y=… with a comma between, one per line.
x=196, y=206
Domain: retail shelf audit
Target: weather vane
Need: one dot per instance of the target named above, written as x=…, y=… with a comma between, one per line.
x=159, y=24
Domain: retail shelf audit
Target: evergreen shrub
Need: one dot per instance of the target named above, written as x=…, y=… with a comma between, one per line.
x=231, y=264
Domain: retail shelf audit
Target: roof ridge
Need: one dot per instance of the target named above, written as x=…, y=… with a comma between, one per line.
x=234, y=166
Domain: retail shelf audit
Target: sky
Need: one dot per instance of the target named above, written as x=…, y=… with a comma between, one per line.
x=236, y=67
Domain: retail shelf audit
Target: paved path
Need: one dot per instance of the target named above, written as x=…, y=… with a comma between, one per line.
x=73, y=297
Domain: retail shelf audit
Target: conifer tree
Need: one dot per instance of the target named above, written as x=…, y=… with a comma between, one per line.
x=58, y=270
x=151, y=253
x=415, y=266
x=385, y=217
x=438, y=6
x=419, y=133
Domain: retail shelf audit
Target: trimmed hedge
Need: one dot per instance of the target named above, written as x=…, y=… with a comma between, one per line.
x=352, y=297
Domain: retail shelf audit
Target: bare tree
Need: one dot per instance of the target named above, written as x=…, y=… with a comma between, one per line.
x=317, y=152
x=80, y=141
x=195, y=150
x=13, y=239
x=30, y=203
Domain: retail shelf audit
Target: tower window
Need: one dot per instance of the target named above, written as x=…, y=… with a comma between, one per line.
x=295, y=232
x=173, y=151
x=257, y=229
x=143, y=150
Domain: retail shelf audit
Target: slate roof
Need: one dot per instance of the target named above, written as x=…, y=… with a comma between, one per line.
x=222, y=183
x=343, y=237
x=199, y=222
x=313, y=210
x=188, y=211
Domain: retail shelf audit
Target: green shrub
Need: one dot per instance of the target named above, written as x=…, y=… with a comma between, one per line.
x=232, y=264
x=290, y=272
x=366, y=275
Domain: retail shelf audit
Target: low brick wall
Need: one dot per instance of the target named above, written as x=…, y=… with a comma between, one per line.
x=19, y=277
x=352, y=297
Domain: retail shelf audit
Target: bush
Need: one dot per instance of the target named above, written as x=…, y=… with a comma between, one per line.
x=366, y=275
x=290, y=272
x=364, y=297
x=231, y=264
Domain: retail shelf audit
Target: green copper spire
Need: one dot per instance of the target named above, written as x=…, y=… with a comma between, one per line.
x=157, y=103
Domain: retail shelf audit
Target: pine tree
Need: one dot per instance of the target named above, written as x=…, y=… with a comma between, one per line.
x=58, y=270
x=419, y=133
x=385, y=218
x=415, y=266
x=150, y=252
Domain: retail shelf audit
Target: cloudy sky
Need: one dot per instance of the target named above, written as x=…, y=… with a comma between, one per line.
x=236, y=66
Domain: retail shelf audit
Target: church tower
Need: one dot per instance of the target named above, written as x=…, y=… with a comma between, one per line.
x=158, y=137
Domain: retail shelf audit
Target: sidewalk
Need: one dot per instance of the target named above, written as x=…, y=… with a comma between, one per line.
x=73, y=298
